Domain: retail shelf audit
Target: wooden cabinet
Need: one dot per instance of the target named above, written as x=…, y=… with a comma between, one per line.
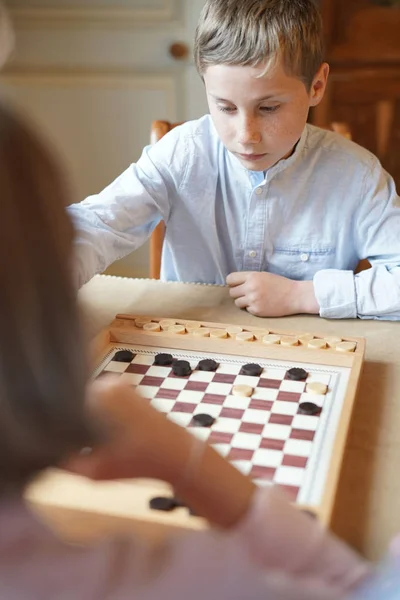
x=363, y=49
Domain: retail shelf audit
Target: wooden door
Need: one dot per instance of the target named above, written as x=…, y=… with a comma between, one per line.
x=94, y=74
x=363, y=49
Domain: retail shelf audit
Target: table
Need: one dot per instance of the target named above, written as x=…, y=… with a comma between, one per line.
x=367, y=512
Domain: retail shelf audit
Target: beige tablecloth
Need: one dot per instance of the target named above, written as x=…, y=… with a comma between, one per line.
x=367, y=512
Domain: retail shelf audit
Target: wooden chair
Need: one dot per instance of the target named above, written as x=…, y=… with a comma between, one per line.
x=158, y=130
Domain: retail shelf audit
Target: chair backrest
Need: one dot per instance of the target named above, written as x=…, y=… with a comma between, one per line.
x=158, y=130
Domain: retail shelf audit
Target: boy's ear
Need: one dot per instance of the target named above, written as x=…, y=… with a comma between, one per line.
x=319, y=83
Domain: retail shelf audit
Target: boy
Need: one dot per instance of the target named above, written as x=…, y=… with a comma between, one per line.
x=251, y=195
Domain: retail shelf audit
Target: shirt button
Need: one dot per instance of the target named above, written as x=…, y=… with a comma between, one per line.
x=304, y=257
x=253, y=254
x=259, y=191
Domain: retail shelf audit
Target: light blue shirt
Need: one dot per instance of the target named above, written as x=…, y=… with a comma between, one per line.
x=312, y=216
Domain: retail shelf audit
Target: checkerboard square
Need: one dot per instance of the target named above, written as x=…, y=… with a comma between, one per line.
x=280, y=419
x=265, y=405
x=302, y=434
x=188, y=396
x=163, y=405
x=289, y=397
x=196, y=386
x=168, y=394
x=273, y=384
x=116, y=367
x=214, y=410
x=251, y=428
x=249, y=441
x=213, y=399
x=143, y=359
x=232, y=413
x=152, y=381
x=298, y=447
x=204, y=376
x=137, y=368
x=270, y=444
x=294, y=461
x=293, y=386
x=224, y=378
x=229, y=368
x=237, y=402
x=289, y=476
x=268, y=458
x=131, y=378
x=184, y=407
x=156, y=371
x=277, y=432
x=147, y=391
x=182, y=419
x=240, y=454
x=284, y=408
x=252, y=415
x=227, y=425
x=274, y=373
x=265, y=394
x=174, y=384
x=220, y=437
x=222, y=389
x=247, y=380
x=259, y=472
x=306, y=422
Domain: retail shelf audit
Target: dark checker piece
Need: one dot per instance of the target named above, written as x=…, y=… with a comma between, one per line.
x=123, y=356
x=203, y=420
x=163, y=360
x=163, y=503
x=181, y=368
x=207, y=364
x=251, y=369
x=309, y=408
x=297, y=374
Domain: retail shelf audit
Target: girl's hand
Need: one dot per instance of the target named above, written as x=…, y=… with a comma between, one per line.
x=139, y=441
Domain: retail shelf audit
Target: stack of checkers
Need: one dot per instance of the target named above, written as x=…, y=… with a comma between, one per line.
x=262, y=419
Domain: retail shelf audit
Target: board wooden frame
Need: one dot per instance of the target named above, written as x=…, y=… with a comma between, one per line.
x=66, y=500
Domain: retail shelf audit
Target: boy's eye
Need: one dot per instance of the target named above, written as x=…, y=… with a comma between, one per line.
x=270, y=109
x=226, y=109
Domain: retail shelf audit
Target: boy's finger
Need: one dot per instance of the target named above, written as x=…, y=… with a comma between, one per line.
x=237, y=291
x=236, y=278
x=242, y=302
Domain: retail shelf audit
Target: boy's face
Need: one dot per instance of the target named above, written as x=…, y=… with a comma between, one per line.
x=260, y=119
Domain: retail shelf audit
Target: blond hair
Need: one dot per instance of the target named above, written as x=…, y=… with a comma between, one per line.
x=42, y=363
x=260, y=32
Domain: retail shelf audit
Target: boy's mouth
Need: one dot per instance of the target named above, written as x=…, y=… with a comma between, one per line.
x=252, y=157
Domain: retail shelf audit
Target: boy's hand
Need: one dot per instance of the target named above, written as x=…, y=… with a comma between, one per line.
x=268, y=295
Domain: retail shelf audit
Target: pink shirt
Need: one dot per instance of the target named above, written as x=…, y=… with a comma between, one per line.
x=274, y=552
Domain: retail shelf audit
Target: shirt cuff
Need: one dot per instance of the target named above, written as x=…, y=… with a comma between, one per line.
x=336, y=294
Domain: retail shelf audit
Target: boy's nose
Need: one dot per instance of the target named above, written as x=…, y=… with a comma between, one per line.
x=249, y=133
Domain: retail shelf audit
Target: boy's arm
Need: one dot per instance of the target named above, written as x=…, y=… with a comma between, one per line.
x=334, y=293
x=117, y=221
x=374, y=293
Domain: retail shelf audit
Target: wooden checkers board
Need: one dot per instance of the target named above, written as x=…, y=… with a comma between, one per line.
x=265, y=433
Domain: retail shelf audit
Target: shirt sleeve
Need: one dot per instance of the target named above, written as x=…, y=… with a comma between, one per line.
x=118, y=220
x=276, y=552
x=374, y=293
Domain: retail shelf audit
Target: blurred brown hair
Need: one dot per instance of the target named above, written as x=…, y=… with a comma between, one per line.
x=42, y=365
